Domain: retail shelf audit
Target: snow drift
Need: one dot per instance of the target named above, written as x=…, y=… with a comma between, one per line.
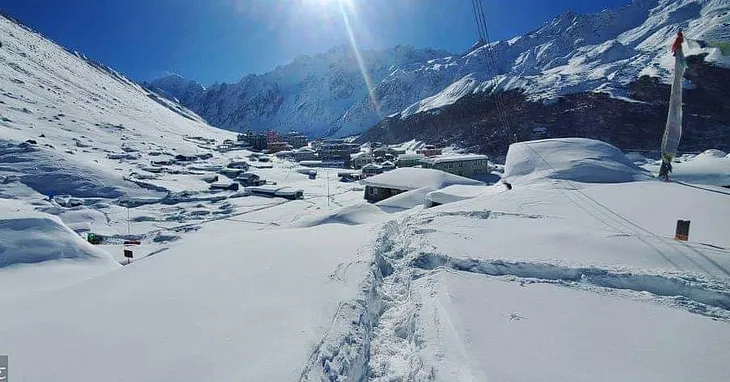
x=405, y=200
x=410, y=178
x=32, y=237
x=357, y=214
x=572, y=159
x=459, y=192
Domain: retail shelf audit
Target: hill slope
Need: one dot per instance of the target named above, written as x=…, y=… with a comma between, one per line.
x=68, y=124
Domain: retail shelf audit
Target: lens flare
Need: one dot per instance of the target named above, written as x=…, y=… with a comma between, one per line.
x=345, y=8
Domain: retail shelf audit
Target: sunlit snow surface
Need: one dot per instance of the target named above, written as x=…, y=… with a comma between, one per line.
x=563, y=277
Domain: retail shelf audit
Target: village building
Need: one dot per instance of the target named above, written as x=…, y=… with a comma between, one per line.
x=272, y=136
x=359, y=160
x=296, y=139
x=321, y=163
x=371, y=169
x=255, y=140
x=409, y=160
x=335, y=149
x=401, y=180
x=304, y=154
x=249, y=179
x=276, y=146
x=224, y=186
x=462, y=165
x=387, y=166
x=387, y=153
x=285, y=154
x=429, y=151
x=242, y=164
x=185, y=157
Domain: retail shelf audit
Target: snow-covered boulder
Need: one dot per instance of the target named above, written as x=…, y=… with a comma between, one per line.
x=572, y=159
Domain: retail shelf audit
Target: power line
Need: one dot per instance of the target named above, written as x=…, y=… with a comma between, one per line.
x=491, y=67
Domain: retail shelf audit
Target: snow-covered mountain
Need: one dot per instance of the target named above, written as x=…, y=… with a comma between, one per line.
x=312, y=94
x=325, y=94
x=66, y=121
x=575, y=53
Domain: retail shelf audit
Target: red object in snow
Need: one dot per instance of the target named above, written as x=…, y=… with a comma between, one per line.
x=678, y=42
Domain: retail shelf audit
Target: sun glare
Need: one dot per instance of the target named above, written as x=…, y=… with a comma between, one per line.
x=321, y=3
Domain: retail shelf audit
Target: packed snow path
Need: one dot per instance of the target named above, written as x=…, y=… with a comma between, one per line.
x=595, y=246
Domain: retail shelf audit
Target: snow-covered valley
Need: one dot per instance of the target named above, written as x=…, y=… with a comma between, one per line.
x=572, y=273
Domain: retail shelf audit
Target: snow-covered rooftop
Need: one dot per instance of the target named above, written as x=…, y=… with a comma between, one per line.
x=454, y=158
x=413, y=178
x=573, y=159
x=410, y=155
x=360, y=154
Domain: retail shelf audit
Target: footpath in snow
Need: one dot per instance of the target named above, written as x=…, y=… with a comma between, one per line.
x=556, y=279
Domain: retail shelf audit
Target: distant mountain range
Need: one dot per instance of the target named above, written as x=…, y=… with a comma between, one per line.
x=325, y=95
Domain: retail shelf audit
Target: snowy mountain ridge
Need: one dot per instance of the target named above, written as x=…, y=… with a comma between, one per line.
x=309, y=94
x=573, y=53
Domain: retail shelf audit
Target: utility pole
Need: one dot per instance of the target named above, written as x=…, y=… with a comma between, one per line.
x=328, y=188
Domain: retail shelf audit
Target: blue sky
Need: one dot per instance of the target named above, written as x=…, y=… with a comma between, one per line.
x=221, y=40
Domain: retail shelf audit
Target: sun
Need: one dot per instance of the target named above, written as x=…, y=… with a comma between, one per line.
x=323, y=3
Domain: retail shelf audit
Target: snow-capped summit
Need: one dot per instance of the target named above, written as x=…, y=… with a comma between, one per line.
x=178, y=88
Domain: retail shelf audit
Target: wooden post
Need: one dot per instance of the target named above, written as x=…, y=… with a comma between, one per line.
x=682, y=232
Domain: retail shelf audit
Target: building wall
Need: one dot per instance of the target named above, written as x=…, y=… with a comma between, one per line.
x=462, y=168
x=408, y=162
x=376, y=194
x=361, y=161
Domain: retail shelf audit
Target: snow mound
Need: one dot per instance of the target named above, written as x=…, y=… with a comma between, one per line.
x=574, y=159
x=637, y=158
x=32, y=237
x=711, y=153
x=457, y=193
x=356, y=214
x=406, y=200
x=415, y=178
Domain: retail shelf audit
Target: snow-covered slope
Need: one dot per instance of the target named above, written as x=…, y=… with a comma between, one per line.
x=596, y=52
x=572, y=53
x=71, y=125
